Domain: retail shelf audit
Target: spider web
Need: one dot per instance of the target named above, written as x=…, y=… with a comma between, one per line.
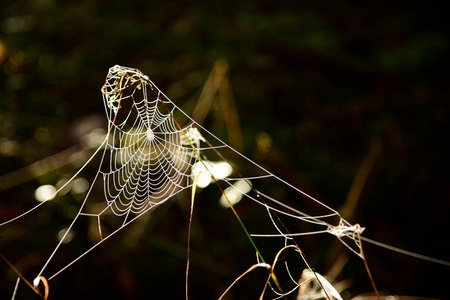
x=147, y=158
x=153, y=151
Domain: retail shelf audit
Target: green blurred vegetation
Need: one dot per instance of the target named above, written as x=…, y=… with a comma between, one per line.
x=324, y=79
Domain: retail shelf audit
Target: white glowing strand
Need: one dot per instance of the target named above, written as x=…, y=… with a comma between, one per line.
x=147, y=158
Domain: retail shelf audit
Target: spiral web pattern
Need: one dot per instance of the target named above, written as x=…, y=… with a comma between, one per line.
x=148, y=157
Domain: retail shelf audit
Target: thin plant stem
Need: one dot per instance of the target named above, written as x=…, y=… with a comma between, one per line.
x=26, y=280
x=189, y=232
x=367, y=267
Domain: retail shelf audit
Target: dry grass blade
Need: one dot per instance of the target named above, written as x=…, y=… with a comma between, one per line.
x=37, y=280
x=41, y=167
x=194, y=185
x=367, y=268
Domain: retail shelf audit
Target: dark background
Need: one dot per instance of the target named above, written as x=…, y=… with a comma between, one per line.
x=324, y=79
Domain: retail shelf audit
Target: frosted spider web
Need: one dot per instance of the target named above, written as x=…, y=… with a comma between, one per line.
x=153, y=151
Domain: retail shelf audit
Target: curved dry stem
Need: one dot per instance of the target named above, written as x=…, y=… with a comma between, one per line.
x=272, y=273
x=44, y=281
x=259, y=265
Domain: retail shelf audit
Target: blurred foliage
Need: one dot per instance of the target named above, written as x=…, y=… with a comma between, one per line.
x=321, y=79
